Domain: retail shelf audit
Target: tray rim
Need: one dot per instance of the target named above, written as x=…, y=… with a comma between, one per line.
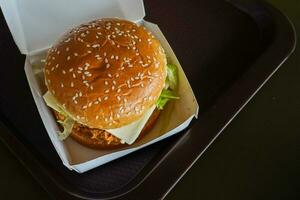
x=51, y=184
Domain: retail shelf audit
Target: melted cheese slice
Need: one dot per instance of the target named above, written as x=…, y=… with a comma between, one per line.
x=127, y=134
x=130, y=132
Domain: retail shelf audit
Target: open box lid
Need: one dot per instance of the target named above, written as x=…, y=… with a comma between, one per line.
x=36, y=24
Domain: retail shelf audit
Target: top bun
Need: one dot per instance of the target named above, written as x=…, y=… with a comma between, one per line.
x=106, y=73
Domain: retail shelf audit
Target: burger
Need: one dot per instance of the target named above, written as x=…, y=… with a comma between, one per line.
x=108, y=80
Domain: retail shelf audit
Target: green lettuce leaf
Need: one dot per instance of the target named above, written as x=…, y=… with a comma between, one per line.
x=172, y=76
x=171, y=85
x=67, y=125
x=165, y=96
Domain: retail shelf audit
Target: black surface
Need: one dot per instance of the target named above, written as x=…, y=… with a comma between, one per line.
x=219, y=57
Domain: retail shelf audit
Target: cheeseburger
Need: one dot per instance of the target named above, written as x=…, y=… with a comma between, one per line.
x=107, y=82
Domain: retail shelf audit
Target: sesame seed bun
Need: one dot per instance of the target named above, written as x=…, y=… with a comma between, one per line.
x=106, y=73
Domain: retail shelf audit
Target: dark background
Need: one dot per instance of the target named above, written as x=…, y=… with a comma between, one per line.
x=256, y=157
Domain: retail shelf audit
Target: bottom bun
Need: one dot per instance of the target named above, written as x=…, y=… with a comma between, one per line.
x=101, y=139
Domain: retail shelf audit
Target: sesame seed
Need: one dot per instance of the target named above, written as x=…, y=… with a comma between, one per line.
x=106, y=82
x=63, y=71
x=106, y=119
x=80, y=94
x=52, y=69
x=62, y=85
x=67, y=40
x=49, y=81
x=75, y=54
x=92, y=88
x=113, y=87
x=83, y=77
x=71, y=69
x=89, y=51
x=107, y=65
x=72, y=84
x=88, y=45
x=99, y=99
x=96, y=102
x=97, y=116
x=75, y=102
x=119, y=90
x=112, y=57
x=74, y=76
x=78, y=72
x=58, y=52
x=119, y=98
x=68, y=58
x=106, y=91
x=104, y=54
x=109, y=75
x=80, y=68
x=117, y=75
x=90, y=104
x=47, y=71
x=105, y=98
x=84, y=107
x=106, y=60
x=86, y=72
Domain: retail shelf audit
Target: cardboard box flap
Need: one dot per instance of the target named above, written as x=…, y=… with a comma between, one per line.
x=35, y=24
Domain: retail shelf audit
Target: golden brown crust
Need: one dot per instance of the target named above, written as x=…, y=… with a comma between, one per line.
x=106, y=73
x=101, y=139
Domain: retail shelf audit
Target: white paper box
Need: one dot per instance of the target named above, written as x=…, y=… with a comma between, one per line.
x=36, y=24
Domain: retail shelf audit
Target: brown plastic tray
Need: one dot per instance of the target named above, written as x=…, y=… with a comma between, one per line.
x=228, y=50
